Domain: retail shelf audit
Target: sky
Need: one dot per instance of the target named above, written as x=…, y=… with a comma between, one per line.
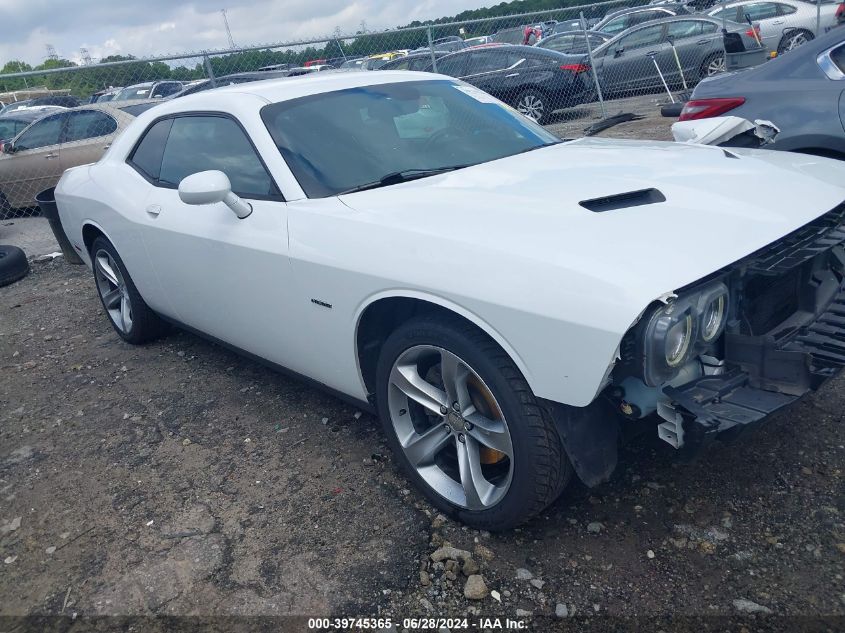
x=155, y=27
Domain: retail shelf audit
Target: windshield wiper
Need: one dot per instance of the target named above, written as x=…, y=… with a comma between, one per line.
x=396, y=177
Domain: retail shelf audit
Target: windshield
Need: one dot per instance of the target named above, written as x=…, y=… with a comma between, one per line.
x=136, y=92
x=339, y=141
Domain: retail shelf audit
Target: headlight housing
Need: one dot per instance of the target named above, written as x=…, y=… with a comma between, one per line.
x=671, y=334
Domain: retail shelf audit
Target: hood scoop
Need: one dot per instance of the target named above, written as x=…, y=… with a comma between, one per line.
x=623, y=200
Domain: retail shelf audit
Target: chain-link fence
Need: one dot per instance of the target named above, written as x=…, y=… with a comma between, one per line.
x=568, y=67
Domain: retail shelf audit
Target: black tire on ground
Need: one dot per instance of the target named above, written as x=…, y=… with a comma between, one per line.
x=794, y=38
x=672, y=109
x=146, y=324
x=13, y=265
x=705, y=70
x=541, y=469
x=535, y=104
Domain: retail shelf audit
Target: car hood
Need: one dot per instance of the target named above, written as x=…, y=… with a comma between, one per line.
x=720, y=205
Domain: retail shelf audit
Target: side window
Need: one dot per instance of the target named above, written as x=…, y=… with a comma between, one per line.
x=837, y=56
x=453, y=66
x=616, y=25
x=402, y=64
x=684, y=28
x=487, y=61
x=760, y=11
x=165, y=89
x=418, y=63
x=88, y=124
x=785, y=9
x=42, y=133
x=147, y=155
x=708, y=27
x=731, y=14
x=200, y=143
x=561, y=43
x=646, y=16
x=644, y=37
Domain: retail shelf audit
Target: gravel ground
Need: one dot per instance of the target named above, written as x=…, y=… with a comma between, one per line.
x=180, y=479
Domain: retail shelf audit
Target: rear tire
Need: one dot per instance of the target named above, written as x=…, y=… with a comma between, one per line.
x=535, y=105
x=794, y=39
x=712, y=66
x=13, y=265
x=448, y=451
x=129, y=315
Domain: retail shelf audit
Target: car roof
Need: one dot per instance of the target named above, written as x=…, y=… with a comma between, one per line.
x=645, y=7
x=284, y=89
x=31, y=113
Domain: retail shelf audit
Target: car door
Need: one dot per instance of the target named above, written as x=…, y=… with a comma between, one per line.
x=492, y=70
x=88, y=134
x=695, y=42
x=767, y=16
x=628, y=64
x=224, y=276
x=35, y=164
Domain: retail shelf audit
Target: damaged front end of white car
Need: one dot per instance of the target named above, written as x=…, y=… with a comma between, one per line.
x=737, y=346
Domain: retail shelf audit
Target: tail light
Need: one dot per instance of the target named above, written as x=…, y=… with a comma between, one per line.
x=576, y=68
x=754, y=32
x=840, y=12
x=707, y=108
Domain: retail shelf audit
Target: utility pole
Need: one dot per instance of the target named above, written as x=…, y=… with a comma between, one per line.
x=51, y=52
x=86, y=56
x=228, y=30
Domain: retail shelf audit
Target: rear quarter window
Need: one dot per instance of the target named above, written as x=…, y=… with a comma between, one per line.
x=146, y=158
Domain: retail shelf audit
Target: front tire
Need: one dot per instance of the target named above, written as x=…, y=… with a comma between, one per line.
x=129, y=315
x=465, y=426
x=535, y=105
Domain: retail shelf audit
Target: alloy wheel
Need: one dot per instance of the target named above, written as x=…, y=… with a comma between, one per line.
x=113, y=290
x=716, y=66
x=531, y=106
x=450, y=427
x=795, y=41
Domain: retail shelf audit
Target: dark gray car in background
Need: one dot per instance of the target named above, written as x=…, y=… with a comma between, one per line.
x=802, y=93
x=625, y=64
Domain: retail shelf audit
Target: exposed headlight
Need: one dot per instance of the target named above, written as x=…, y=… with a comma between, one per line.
x=678, y=340
x=673, y=333
x=713, y=318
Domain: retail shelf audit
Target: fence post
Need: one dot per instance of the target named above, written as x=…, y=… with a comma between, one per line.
x=208, y=69
x=818, y=17
x=431, y=50
x=592, y=65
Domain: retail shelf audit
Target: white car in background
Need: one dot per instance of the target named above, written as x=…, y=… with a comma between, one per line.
x=493, y=293
x=784, y=24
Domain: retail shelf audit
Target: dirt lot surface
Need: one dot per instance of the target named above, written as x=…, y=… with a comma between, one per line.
x=180, y=479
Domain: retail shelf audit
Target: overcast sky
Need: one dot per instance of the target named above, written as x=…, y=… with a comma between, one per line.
x=152, y=27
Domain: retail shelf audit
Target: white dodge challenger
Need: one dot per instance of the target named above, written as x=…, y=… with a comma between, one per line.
x=505, y=301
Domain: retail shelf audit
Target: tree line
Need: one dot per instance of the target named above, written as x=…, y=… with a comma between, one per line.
x=94, y=77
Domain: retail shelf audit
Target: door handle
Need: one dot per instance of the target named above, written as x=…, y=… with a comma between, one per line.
x=512, y=75
x=107, y=146
x=651, y=53
x=49, y=156
x=778, y=22
x=702, y=42
x=154, y=210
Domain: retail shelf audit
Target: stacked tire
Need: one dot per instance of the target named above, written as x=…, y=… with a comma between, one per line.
x=13, y=265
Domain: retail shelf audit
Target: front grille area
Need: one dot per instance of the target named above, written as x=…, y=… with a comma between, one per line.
x=769, y=300
x=801, y=245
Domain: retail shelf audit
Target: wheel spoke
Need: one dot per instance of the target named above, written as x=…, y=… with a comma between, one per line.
x=112, y=298
x=476, y=487
x=422, y=448
x=407, y=379
x=126, y=313
x=454, y=374
x=104, y=267
x=490, y=433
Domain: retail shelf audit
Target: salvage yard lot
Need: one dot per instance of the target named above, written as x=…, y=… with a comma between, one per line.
x=179, y=478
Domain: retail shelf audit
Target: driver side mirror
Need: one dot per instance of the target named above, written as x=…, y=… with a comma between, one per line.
x=8, y=148
x=211, y=187
x=619, y=52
